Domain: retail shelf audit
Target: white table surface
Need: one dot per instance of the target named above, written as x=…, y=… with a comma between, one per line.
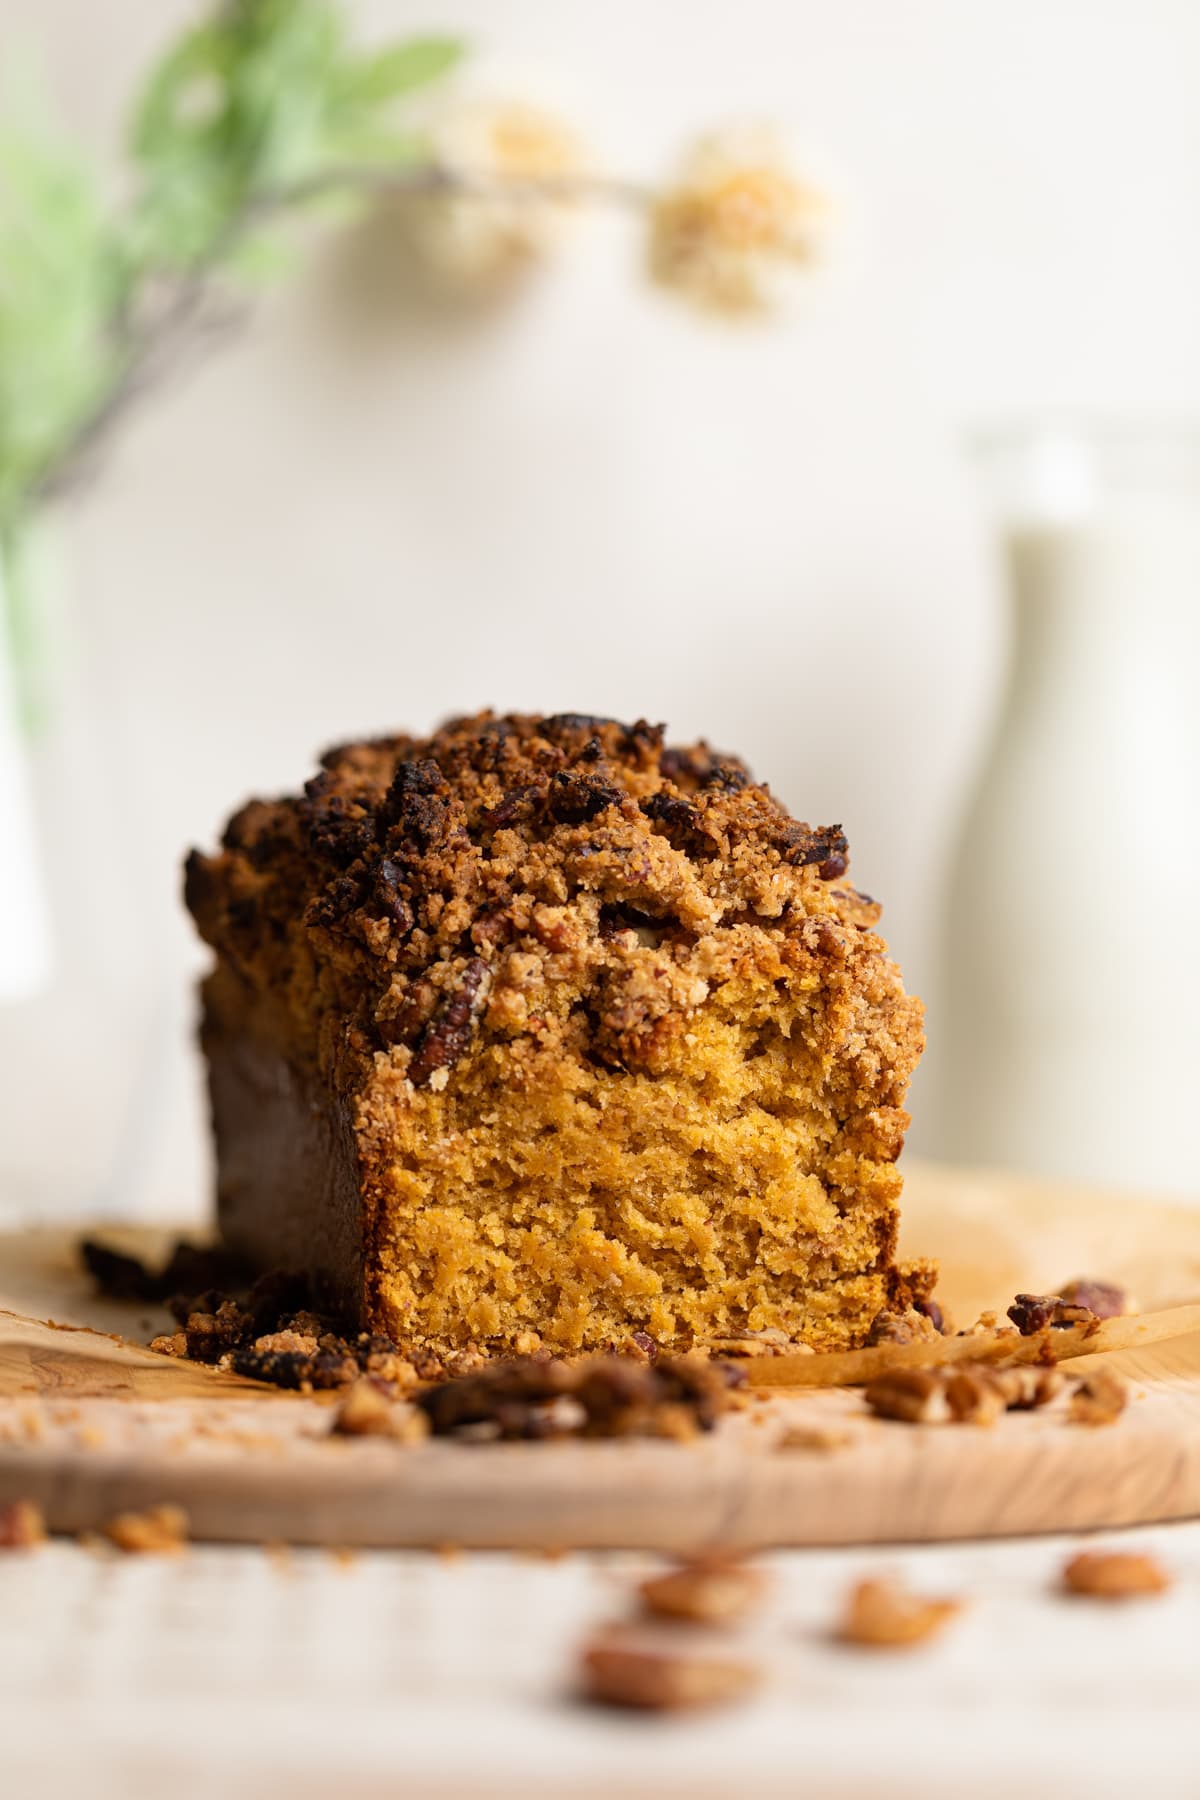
x=238, y=1672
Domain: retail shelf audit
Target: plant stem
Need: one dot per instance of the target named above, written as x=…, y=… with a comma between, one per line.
x=150, y=345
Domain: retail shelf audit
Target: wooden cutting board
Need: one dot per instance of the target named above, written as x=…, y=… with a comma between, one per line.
x=91, y=1425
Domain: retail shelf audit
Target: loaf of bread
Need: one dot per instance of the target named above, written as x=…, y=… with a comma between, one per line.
x=539, y=1031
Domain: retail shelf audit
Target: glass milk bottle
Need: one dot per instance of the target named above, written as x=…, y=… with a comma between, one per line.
x=1070, y=1036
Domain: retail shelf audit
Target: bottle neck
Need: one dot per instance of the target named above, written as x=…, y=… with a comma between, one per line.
x=1105, y=598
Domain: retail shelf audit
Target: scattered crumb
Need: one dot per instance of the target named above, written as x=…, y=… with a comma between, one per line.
x=1100, y=1398
x=157, y=1530
x=771, y=1342
x=22, y=1525
x=1114, y=1574
x=448, y=1553
x=707, y=1591
x=620, y=1668
x=527, y=1343
x=287, y=1343
x=817, y=1438
x=343, y=1556
x=32, y=1422
x=884, y=1614
x=171, y=1343
x=364, y=1411
x=90, y=1437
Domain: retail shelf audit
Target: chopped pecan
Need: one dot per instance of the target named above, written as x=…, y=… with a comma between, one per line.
x=1099, y=1399
x=965, y=1393
x=610, y=1396
x=1103, y=1298
x=801, y=844
x=885, y=1615
x=1114, y=1574
x=158, y=1529
x=22, y=1525
x=917, y=1396
x=364, y=1411
x=1025, y=1387
x=448, y=1033
x=622, y=1668
x=1031, y=1313
x=576, y=798
x=973, y=1396
x=889, y=1327
x=708, y=1591
x=673, y=1397
x=513, y=1396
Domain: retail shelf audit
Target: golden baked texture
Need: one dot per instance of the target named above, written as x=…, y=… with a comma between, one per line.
x=539, y=1026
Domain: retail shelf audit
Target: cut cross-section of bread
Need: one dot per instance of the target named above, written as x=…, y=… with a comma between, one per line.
x=539, y=1026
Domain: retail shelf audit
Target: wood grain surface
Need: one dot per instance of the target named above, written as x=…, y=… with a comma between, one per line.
x=90, y=1425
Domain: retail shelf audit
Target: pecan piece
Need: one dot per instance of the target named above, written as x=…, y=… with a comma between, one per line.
x=1031, y=1313
x=967, y=1393
x=157, y=1530
x=610, y=1396
x=707, y=1591
x=619, y=1668
x=1103, y=1298
x=1114, y=1574
x=917, y=1396
x=1100, y=1398
x=448, y=1033
x=575, y=798
x=891, y=1327
x=364, y=1411
x=22, y=1525
x=884, y=1614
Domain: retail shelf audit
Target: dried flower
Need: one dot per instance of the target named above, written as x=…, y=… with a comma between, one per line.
x=472, y=232
x=733, y=220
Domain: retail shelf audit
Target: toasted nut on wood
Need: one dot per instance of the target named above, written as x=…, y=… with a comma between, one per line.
x=709, y=1592
x=1099, y=1399
x=364, y=1411
x=884, y=1614
x=158, y=1529
x=618, y=1669
x=22, y=1525
x=1114, y=1574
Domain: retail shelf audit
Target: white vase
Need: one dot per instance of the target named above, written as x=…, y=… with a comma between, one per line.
x=1070, y=1032
x=24, y=918
x=82, y=999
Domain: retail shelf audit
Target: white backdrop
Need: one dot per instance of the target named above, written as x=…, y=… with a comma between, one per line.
x=588, y=499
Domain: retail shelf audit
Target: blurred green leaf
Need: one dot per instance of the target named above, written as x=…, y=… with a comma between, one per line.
x=60, y=288
x=246, y=119
x=401, y=68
